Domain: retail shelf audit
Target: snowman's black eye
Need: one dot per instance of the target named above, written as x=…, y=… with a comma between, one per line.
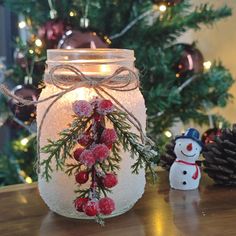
x=196, y=149
x=179, y=144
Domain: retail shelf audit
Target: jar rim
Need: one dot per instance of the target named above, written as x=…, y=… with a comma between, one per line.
x=89, y=55
x=92, y=50
x=124, y=52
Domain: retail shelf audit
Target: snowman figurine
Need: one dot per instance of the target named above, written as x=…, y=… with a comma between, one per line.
x=184, y=172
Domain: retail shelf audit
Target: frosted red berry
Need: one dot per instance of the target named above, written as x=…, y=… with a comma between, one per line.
x=91, y=208
x=77, y=153
x=106, y=206
x=108, y=137
x=84, y=140
x=82, y=108
x=101, y=152
x=87, y=158
x=109, y=145
x=109, y=180
x=79, y=203
x=97, y=117
x=82, y=177
x=105, y=107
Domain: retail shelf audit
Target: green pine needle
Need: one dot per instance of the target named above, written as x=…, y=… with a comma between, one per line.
x=59, y=150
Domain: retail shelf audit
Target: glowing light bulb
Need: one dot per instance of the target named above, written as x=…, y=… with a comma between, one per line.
x=38, y=43
x=24, y=141
x=31, y=51
x=72, y=13
x=207, y=65
x=162, y=8
x=22, y=24
x=107, y=39
x=168, y=134
x=220, y=125
x=28, y=180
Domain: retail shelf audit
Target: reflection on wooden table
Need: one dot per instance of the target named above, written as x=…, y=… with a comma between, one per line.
x=211, y=210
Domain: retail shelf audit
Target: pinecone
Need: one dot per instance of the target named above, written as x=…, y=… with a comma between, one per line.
x=167, y=158
x=220, y=158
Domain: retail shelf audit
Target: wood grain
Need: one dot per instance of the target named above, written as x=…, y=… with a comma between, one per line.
x=211, y=210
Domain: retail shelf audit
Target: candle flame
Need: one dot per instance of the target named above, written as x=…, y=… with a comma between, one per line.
x=105, y=69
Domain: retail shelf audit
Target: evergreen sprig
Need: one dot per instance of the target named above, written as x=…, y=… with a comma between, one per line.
x=112, y=163
x=72, y=168
x=130, y=142
x=59, y=150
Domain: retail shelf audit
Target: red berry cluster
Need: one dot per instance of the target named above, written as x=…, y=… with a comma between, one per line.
x=94, y=207
x=95, y=147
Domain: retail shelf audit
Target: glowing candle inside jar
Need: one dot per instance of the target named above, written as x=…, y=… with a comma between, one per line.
x=59, y=193
x=96, y=71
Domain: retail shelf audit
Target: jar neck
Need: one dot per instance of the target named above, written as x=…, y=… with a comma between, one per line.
x=91, y=62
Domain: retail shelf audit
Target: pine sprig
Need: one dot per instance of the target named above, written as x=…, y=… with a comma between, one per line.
x=112, y=163
x=83, y=192
x=60, y=149
x=72, y=168
x=130, y=142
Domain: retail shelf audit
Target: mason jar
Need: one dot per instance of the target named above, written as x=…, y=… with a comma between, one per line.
x=58, y=193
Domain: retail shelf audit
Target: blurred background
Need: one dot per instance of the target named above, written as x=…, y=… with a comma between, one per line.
x=218, y=43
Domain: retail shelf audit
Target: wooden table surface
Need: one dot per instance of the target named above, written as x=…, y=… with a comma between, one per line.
x=211, y=210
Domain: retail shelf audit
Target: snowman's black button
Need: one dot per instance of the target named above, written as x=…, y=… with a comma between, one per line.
x=184, y=183
x=184, y=172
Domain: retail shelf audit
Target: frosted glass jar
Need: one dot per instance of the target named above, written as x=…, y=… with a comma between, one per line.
x=58, y=193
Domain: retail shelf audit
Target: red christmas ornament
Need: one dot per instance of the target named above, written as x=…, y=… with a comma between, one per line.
x=51, y=32
x=77, y=153
x=101, y=152
x=20, y=58
x=79, y=203
x=190, y=62
x=91, y=208
x=24, y=113
x=210, y=135
x=83, y=39
x=106, y=206
x=82, y=177
x=109, y=180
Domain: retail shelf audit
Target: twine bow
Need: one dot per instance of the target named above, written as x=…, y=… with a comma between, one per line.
x=114, y=82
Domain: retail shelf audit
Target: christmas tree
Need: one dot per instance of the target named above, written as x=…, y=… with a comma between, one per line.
x=175, y=83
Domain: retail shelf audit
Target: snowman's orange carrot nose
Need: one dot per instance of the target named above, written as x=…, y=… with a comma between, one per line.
x=189, y=147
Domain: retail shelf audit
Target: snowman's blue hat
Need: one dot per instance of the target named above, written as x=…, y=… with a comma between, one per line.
x=192, y=134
